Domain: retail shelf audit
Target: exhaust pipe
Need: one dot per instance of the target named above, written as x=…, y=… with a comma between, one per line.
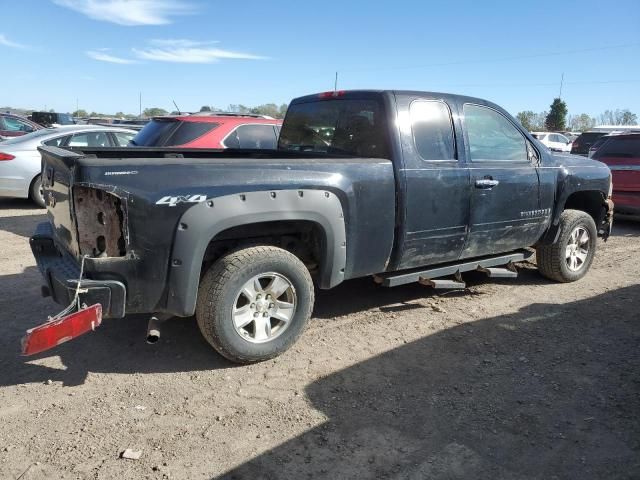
x=153, y=331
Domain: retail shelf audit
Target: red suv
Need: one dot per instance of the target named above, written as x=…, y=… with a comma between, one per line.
x=622, y=154
x=215, y=130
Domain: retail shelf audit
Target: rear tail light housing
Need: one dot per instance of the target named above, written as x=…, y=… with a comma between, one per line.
x=6, y=156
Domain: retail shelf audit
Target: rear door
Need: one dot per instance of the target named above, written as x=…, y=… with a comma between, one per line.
x=436, y=182
x=505, y=213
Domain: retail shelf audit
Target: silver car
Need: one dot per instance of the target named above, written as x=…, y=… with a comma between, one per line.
x=20, y=159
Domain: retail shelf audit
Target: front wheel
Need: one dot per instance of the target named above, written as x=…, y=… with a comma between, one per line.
x=254, y=303
x=569, y=258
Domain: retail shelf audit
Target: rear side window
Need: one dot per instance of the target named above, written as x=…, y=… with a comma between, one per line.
x=620, y=148
x=57, y=142
x=432, y=130
x=171, y=133
x=89, y=139
x=348, y=127
x=123, y=138
x=188, y=132
x=492, y=137
x=154, y=133
x=252, y=136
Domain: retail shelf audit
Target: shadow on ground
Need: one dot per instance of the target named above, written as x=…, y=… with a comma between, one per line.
x=17, y=204
x=552, y=391
x=626, y=226
x=23, y=225
x=118, y=346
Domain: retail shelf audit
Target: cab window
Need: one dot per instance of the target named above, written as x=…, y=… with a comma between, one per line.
x=432, y=130
x=492, y=137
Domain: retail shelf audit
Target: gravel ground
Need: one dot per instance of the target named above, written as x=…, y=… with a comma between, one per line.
x=508, y=379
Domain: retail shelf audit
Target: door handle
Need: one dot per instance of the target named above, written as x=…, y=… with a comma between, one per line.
x=486, y=183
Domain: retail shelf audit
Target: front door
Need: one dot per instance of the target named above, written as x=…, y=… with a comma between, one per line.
x=505, y=213
x=436, y=183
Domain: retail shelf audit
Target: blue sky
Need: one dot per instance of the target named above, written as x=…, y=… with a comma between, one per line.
x=221, y=52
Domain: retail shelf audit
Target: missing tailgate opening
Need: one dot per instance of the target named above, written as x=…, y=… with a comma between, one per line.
x=100, y=220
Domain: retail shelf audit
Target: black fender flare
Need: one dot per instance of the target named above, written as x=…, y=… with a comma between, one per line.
x=203, y=221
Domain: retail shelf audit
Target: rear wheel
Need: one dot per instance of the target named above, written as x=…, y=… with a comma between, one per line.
x=254, y=303
x=569, y=258
x=36, y=193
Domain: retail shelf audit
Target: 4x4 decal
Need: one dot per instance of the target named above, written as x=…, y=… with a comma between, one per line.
x=173, y=201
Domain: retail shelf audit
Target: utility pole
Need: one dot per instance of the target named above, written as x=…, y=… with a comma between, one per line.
x=561, y=82
x=76, y=105
x=140, y=104
x=335, y=83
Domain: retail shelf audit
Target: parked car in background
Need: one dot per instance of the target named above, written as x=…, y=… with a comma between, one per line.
x=553, y=141
x=621, y=153
x=215, y=130
x=15, y=126
x=52, y=119
x=571, y=136
x=583, y=143
x=20, y=161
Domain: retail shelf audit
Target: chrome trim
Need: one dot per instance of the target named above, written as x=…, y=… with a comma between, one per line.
x=618, y=168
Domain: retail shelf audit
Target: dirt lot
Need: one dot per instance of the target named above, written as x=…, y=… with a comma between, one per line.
x=508, y=379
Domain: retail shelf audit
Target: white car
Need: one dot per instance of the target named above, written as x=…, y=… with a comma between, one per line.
x=554, y=141
x=20, y=159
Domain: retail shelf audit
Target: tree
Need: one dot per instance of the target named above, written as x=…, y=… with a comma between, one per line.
x=617, y=117
x=527, y=119
x=80, y=113
x=283, y=110
x=205, y=108
x=238, y=108
x=629, y=118
x=154, y=112
x=581, y=123
x=556, y=120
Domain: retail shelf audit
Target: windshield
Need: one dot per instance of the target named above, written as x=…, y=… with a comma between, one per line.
x=30, y=136
x=349, y=127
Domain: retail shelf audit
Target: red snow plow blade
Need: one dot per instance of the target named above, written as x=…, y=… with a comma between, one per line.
x=53, y=333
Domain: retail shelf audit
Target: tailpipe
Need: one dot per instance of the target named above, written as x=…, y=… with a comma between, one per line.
x=153, y=330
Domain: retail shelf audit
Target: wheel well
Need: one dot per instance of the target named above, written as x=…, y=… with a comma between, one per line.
x=305, y=239
x=590, y=202
x=31, y=184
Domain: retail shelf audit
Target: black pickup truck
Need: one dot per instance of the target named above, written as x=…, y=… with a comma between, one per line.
x=398, y=185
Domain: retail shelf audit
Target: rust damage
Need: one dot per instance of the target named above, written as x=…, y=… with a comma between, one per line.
x=100, y=218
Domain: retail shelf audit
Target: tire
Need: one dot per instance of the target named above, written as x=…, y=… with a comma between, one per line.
x=35, y=192
x=228, y=296
x=556, y=261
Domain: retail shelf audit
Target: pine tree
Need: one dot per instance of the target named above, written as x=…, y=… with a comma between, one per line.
x=555, y=121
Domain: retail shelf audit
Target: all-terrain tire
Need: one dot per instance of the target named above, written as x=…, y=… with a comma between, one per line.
x=35, y=192
x=552, y=259
x=224, y=282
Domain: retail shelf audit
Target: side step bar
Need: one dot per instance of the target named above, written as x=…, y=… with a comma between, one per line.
x=445, y=284
x=484, y=264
